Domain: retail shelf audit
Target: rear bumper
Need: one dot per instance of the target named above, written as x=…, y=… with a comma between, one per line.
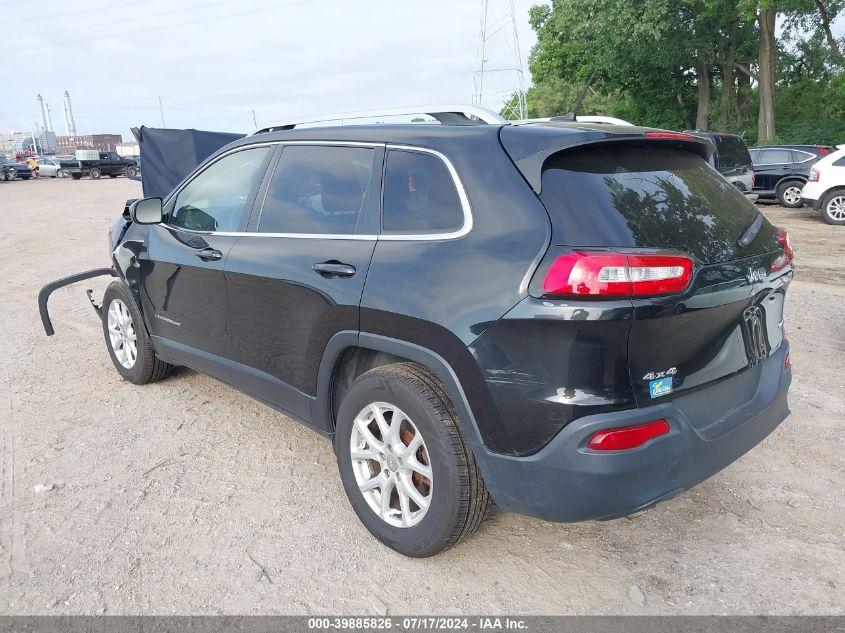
x=566, y=481
x=810, y=202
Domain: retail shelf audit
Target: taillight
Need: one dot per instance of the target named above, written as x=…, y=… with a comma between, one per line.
x=814, y=175
x=607, y=274
x=823, y=150
x=753, y=179
x=787, y=360
x=676, y=135
x=627, y=436
x=784, y=259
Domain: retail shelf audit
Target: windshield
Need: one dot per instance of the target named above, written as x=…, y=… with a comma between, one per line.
x=645, y=196
x=731, y=152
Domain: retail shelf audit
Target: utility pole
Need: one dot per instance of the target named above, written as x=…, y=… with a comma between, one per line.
x=161, y=109
x=503, y=86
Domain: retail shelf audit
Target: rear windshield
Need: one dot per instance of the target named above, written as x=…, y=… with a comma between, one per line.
x=645, y=196
x=731, y=153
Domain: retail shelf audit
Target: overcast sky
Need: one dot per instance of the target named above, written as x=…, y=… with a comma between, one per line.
x=213, y=61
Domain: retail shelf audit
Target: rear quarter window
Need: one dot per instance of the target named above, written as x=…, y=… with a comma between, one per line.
x=644, y=196
x=419, y=195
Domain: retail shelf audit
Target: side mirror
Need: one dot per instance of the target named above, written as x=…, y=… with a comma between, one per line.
x=146, y=211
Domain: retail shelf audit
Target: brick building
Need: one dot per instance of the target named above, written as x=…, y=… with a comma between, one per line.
x=100, y=142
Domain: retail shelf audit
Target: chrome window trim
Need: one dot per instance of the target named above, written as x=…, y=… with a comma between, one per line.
x=397, y=237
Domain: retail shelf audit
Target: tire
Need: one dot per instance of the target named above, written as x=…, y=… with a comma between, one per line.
x=454, y=490
x=788, y=194
x=94, y=173
x=60, y=173
x=833, y=207
x=122, y=321
x=4, y=175
x=131, y=172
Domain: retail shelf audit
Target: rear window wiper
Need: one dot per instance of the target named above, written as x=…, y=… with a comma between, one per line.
x=750, y=233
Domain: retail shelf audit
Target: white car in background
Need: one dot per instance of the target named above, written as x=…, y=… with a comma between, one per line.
x=48, y=167
x=825, y=188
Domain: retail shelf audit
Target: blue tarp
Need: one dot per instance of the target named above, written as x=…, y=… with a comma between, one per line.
x=168, y=156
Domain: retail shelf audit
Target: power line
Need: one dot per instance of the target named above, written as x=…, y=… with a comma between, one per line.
x=121, y=21
x=61, y=15
x=169, y=26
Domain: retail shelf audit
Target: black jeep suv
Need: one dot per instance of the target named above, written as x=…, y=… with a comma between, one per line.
x=576, y=321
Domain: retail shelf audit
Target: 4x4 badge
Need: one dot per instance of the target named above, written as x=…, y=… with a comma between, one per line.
x=653, y=375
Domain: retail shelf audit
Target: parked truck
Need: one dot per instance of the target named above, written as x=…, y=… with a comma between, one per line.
x=108, y=164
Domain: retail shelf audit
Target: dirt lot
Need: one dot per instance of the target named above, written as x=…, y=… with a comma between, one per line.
x=188, y=497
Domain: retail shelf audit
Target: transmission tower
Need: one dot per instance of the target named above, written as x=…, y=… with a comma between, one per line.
x=498, y=80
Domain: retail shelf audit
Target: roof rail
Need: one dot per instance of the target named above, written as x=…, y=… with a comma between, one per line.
x=446, y=114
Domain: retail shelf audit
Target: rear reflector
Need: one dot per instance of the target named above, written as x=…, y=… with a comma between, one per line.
x=627, y=436
x=784, y=259
x=607, y=274
x=676, y=135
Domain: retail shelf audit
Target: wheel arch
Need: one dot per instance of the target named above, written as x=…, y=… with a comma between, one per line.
x=349, y=354
x=790, y=178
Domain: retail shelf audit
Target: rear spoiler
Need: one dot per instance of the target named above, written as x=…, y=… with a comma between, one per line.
x=168, y=156
x=530, y=146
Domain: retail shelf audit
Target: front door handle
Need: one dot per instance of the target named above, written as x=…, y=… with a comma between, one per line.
x=209, y=254
x=334, y=268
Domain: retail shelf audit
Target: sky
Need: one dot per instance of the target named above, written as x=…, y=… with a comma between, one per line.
x=215, y=61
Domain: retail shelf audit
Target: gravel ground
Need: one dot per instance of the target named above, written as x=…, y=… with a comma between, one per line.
x=186, y=497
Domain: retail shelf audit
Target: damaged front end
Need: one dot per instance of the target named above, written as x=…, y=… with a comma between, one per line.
x=116, y=235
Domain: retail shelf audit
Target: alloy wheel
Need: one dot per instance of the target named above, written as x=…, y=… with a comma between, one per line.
x=792, y=195
x=391, y=464
x=122, y=334
x=836, y=208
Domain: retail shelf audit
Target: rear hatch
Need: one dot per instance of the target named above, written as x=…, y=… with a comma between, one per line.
x=734, y=161
x=647, y=197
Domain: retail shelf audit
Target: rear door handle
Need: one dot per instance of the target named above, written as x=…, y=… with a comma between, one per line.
x=209, y=254
x=334, y=269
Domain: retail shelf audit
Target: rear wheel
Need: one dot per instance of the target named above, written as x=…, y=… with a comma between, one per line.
x=131, y=171
x=408, y=472
x=95, y=173
x=4, y=175
x=789, y=193
x=127, y=340
x=833, y=207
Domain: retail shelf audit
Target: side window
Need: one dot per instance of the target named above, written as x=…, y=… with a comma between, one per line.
x=318, y=190
x=776, y=157
x=215, y=200
x=755, y=156
x=839, y=162
x=419, y=195
x=799, y=157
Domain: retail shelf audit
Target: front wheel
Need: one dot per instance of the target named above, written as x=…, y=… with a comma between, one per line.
x=127, y=340
x=407, y=470
x=94, y=173
x=131, y=172
x=789, y=194
x=4, y=175
x=833, y=207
